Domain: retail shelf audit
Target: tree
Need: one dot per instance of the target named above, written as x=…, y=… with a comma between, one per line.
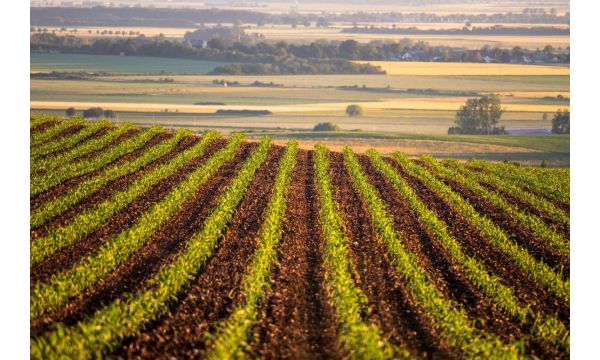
x=70, y=111
x=561, y=122
x=94, y=112
x=354, y=110
x=479, y=116
x=109, y=114
x=326, y=126
x=216, y=43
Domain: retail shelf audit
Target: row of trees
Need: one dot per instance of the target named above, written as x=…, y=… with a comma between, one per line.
x=93, y=112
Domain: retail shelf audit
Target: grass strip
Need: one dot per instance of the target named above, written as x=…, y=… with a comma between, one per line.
x=473, y=180
x=550, y=186
x=359, y=338
x=548, y=329
x=110, y=325
x=69, y=141
x=91, y=219
x=85, y=148
x=447, y=315
x=48, y=180
x=60, y=288
x=57, y=206
x=536, y=270
x=41, y=138
x=232, y=334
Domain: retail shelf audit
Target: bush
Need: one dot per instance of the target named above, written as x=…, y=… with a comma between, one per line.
x=94, y=112
x=70, y=111
x=109, y=114
x=326, y=126
x=354, y=110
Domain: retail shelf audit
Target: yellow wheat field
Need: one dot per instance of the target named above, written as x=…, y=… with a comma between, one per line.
x=461, y=69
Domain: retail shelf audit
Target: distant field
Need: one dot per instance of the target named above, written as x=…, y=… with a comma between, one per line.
x=466, y=69
x=117, y=64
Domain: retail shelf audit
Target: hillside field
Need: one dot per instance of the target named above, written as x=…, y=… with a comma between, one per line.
x=164, y=244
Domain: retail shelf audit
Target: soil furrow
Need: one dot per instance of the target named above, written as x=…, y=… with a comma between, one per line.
x=297, y=321
x=68, y=256
x=215, y=291
x=96, y=135
x=71, y=183
x=392, y=307
x=43, y=126
x=125, y=136
x=527, y=291
x=444, y=271
x=109, y=189
x=169, y=240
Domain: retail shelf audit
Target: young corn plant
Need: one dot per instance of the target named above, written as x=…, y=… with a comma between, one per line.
x=448, y=316
x=62, y=287
x=98, y=334
x=40, y=138
x=70, y=140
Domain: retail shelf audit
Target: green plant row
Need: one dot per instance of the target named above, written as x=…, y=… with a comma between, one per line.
x=548, y=186
x=88, y=271
x=231, y=337
x=48, y=180
x=359, y=338
x=38, y=119
x=447, y=315
x=550, y=329
x=122, y=318
x=92, y=219
x=525, y=219
x=69, y=141
x=60, y=204
x=536, y=270
x=528, y=220
x=41, y=138
x=54, y=162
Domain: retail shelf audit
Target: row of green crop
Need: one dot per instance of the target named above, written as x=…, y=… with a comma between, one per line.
x=122, y=318
x=536, y=270
x=88, y=271
x=447, y=315
x=358, y=337
x=233, y=333
x=92, y=219
x=548, y=329
x=48, y=180
x=62, y=203
x=530, y=221
x=40, y=138
x=36, y=120
x=52, y=163
x=549, y=186
x=69, y=141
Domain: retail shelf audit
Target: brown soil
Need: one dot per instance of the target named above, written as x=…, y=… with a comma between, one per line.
x=215, y=291
x=72, y=182
x=526, y=290
x=444, y=272
x=126, y=135
x=43, y=126
x=109, y=190
x=392, y=306
x=297, y=321
x=68, y=256
x=62, y=151
x=168, y=241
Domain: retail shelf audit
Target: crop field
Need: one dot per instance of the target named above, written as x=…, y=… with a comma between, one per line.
x=466, y=69
x=164, y=244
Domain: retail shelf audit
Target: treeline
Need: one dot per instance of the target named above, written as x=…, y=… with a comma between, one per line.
x=466, y=30
x=184, y=18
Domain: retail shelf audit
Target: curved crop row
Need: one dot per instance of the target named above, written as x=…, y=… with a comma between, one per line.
x=38, y=119
x=92, y=219
x=360, y=339
x=536, y=270
x=548, y=186
x=111, y=324
x=549, y=329
x=447, y=315
x=44, y=182
x=233, y=332
x=58, y=205
x=69, y=141
x=61, y=287
x=526, y=219
x=87, y=147
x=41, y=138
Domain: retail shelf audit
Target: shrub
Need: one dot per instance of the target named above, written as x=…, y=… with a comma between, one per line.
x=354, y=110
x=326, y=126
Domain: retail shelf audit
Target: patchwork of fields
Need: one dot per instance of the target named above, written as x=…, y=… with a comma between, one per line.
x=159, y=243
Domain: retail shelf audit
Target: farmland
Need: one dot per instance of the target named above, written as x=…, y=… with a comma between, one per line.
x=162, y=243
